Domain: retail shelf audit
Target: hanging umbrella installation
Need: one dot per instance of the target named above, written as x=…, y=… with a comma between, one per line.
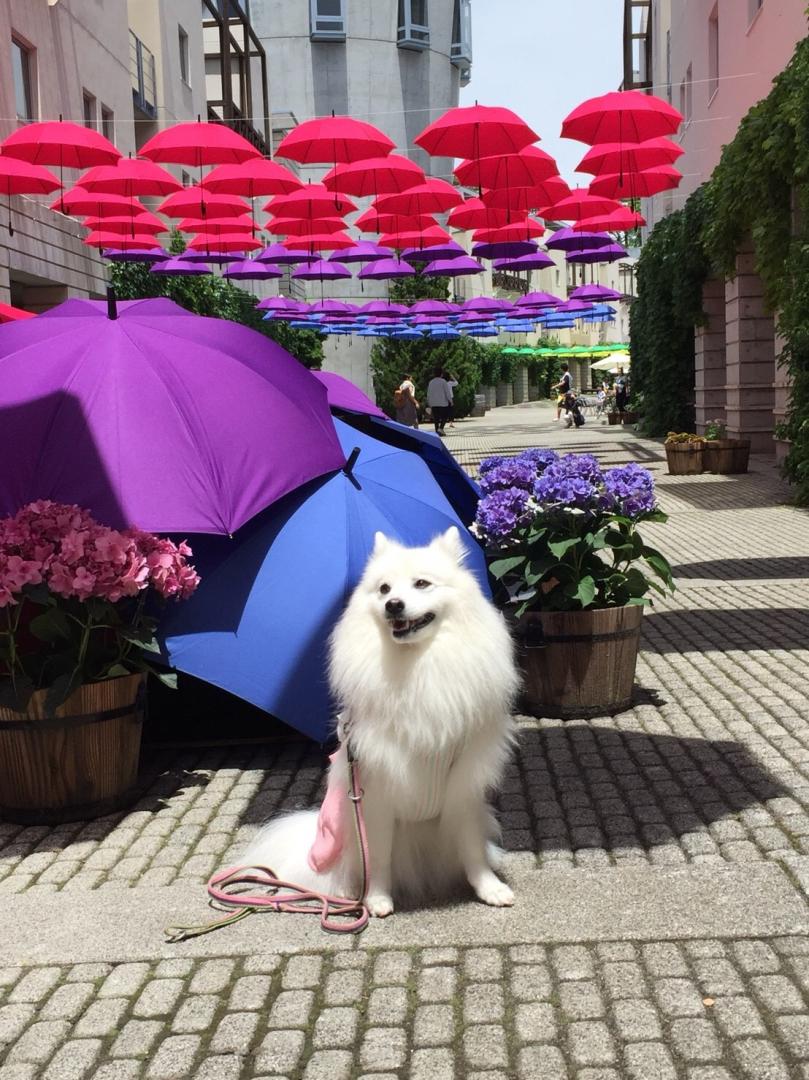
x=24, y=178
x=276, y=590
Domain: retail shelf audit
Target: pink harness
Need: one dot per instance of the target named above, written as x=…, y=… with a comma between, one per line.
x=333, y=910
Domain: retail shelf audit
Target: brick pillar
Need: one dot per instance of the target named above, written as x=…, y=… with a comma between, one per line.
x=781, y=390
x=709, y=358
x=750, y=352
x=505, y=393
x=520, y=391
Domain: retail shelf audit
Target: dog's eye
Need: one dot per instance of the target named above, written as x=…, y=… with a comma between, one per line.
x=384, y=589
x=422, y=584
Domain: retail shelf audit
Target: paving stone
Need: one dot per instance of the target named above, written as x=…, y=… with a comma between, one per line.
x=434, y=1064
x=434, y=1025
x=738, y=1016
x=485, y=1046
x=624, y=979
x=235, y=1033
x=38, y=1042
x=35, y=985
x=279, y=1052
x=535, y=1022
x=481, y=965
x=195, y=1014
x=430, y=957
x=13, y=1021
x=387, y=1005
x=531, y=983
x=777, y=993
x=436, y=984
x=383, y=1048
x=302, y=972
x=647, y=1060
x=590, y=1043
x=220, y=1067
x=664, y=959
x=291, y=1009
x=541, y=1063
x=695, y=1040
x=755, y=957
x=482, y=1003
x=794, y=1033
x=343, y=988
x=581, y=1000
x=757, y=1059
x=678, y=997
x=136, y=1039
x=572, y=962
x=392, y=968
x=212, y=977
x=336, y=1027
x=261, y=964
x=118, y=1070
x=636, y=1020
x=123, y=981
x=717, y=976
x=158, y=998
x=18, y=1072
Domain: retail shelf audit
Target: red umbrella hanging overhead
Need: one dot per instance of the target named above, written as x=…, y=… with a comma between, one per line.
x=417, y=238
x=304, y=226
x=243, y=223
x=141, y=222
x=432, y=197
x=121, y=241
x=310, y=200
x=527, y=168
x=79, y=202
x=580, y=204
x=199, y=144
x=622, y=116
x=375, y=176
x=212, y=241
x=257, y=176
x=59, y=142
x=130, y=177
x=523, y=199
x=24, y=178
x=628, y=157
x=374, y=222
x=188, y=201
x=476, y=131
x=636, y=185
x=320, y=242
x=12, y=314
x=620, y=220
x=474, y=214
x=529, y=229
x=331, y=139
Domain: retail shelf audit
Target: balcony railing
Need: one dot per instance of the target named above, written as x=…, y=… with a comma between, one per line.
x=142, y=74
x=413, y=36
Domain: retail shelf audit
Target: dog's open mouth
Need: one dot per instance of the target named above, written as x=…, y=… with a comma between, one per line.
x=402, y=628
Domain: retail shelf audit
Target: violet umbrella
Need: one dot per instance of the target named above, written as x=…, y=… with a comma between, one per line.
x=149, y=415
x=610, y=253
x=283, y=256
x=594, y=292
x=510, y=249
x=567, y=240
x=252, y=270
x=364, y=252
x=433, y=307
x=144, y=255
x=382, y=307
x=278, y=303
x=332, y=307
x=487, y=305
x=344, y=394
x=537, y=260
x=321, y=270
x=386, y=270
x=178, y=267
x=452, y=250
x=537, y=300
x=218, y=257
x=453, y=267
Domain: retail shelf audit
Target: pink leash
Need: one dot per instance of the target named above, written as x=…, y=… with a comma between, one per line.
x=333, y=910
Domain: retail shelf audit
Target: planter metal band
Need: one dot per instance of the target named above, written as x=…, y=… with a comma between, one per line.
x=556, y=638
x=77, y=720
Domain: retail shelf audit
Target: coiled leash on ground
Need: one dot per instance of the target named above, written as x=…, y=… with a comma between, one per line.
x=333, y=910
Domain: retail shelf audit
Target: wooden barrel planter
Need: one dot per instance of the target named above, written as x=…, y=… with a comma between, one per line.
x=81, y=763
x=684, y=459
x=614, y=417
x=726, y=456
x=579, y=664
x=629, y=417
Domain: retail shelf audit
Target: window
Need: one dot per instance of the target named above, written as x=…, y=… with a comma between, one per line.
x=21, y=65
x=668, y=66
x=184, y=74
x=753, y=8
x=108, y=123
x=461, y=47
x=713, y=52
x=327, y=21
x=414, y=30
x=686, y=94
x=186, y=179
x=89, y=109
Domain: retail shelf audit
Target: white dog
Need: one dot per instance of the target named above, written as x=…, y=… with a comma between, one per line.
x=422, y=665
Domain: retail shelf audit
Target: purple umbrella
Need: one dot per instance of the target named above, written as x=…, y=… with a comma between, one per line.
x=210, y=256
x=433, y=307
x=382, y=307
x=537, y=300
x=179, y=265
x=386, y=270
x=252, y=270
x=332, y=307
x=451, y=250
x=277, y=253
x=507, y=249
x=599, y=255
x=538, y=261
x=487, y=305
x=152, y=416
x=595, y=292
x=567, y=240
x=365, y=251
x=278, y=303
x=571, y=306
x=453, y=267
x=321, y=270
x=344, y=394
x=143, y=255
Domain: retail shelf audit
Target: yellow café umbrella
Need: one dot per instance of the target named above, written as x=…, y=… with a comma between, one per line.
x=614, y=360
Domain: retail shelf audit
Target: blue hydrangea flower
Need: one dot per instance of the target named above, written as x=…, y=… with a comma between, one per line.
x=510, y=473
x=629, y=490
x=501, y=512
x=539, y=457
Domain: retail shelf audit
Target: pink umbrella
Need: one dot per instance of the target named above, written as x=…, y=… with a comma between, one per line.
x=198, y=144
x=374, y=176
x=435, y=196
x=343, y=394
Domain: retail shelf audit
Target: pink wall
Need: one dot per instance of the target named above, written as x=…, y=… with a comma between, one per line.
x=751, y=53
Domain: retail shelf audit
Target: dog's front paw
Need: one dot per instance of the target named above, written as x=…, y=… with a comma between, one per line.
x=380, y=905
x=495, y=892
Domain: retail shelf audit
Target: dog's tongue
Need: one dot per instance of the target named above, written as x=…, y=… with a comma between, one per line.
x=400, y=624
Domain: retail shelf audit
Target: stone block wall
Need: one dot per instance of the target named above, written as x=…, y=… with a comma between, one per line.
x=709, y=366
x=749, y=357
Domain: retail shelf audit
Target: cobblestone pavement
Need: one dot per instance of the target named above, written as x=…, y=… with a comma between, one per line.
x=708, y=771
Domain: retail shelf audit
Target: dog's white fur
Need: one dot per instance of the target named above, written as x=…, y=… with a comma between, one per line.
x=441, y=692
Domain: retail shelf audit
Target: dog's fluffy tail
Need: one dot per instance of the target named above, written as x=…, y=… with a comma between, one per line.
x=283, y=845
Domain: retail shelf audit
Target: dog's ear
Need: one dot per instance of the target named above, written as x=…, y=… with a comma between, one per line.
x=450, y=542
x=381, y=542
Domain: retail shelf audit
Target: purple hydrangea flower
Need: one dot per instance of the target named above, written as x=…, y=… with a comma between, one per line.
x=583, y=465
x=490, y=463
x=629, y=490
x=559, y=487
x=501, y=512
x=510, y=473
x=539, y=457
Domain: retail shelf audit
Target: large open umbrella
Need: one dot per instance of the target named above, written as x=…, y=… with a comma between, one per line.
x=474, y=214
x=453, y=267
x=434, y=196
x=24, y=178
x=523, y=199
x=196, y=200
x=258, y=625
x=334, y=139
x=526, y=168
x=476, y=131
x=62, y=143
x=198, y=144
x=621, y=220
x=386, y=270
x=344, y=395
x=624, y=157
x=14, y=314
x=149, y=415
x=636, y=185
x=373, y=176
x=622, y=116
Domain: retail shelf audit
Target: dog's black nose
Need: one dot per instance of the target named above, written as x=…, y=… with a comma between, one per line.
x=394, y=607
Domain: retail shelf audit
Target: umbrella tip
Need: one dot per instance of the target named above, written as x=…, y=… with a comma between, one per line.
x=348, y=468
x=112, y=306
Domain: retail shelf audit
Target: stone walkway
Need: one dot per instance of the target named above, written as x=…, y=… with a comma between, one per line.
x=660, y=859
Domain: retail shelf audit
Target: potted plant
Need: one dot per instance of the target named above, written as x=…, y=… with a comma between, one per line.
x=77, y=622
x=571, y=567
x=721, y=454
x=684, y=453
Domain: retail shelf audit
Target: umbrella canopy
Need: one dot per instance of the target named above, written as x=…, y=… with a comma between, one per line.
x=386, y=270
x=14, y=314
x=19, y=177
x=523, y=199
x=474, y=214
x=619, y=220
x=536, y=261
x=198, y=144
x=537, y=300
x=141, y=255
x=375, y=176
x=277, y=590
x=616, y=359
x=130, y=177
x=433, y=307
x=322, y=270
x=487, y=305
x=223, y=242
x=622, y=116
x=157, y=417
x=256, y=176
x=595, y=292
x=610, y=253
x=629, y=157
x=453, y=267
x=373, y=222
x=527, y=168
x=566, y=239
x=580, y=203
x=424, y=238
x=216, y=225
x=526, y=229
x=278, y=303
x=635, y=185
x=452, y=250
x=434, y=196
x=365, y=251
x=304, y=226
x=312, y=200
x=345, y=395
x=179, y=267
x=62, y=143
x=142, y=222
x=126, y=241
x=382, y=307
x=251, y=270
x=283, y=256
x=80, y=202
x=196, y=200
x=504, y=249
x=476, y=131
x=334, y=139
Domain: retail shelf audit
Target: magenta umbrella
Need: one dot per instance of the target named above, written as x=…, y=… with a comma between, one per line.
x=452, y=250
x=252, y=270
x=567, y=240
x=537, y=300
x=343, y=394
x=538, y=260
x=595, y=292
x=178, y=267
x=321, y=270
x=149, y=415
x=382, y=307
x=386, y=270
x=610, y=253
x=433, y=307
x=283, y=256
x=453, y=267
x=365, y=251
x=506, y=249
x=279, y=303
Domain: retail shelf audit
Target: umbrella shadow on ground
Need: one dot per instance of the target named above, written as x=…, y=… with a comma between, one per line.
x=785, y=566
x=726, y=629
x=732, y=493
x=39, y=465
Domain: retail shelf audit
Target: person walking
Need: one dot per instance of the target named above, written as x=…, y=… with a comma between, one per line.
x=621, y=390
x=452, y=382
x=404, y=400
x=564, y=386
x=439, y=398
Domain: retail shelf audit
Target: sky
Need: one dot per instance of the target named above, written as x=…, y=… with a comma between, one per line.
x=542, y=58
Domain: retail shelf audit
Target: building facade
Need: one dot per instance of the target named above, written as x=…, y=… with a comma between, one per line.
x=713, y=60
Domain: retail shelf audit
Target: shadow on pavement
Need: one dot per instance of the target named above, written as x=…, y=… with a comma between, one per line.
x=726, y=629
x=784, y=566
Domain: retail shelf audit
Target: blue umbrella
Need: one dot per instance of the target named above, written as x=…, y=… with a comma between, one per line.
x=259, y=624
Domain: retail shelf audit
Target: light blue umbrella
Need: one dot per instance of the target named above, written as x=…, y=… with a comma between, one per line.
x=259, y=623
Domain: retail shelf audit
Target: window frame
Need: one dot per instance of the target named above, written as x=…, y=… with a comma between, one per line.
x=89, y=99
x=461, y=45
x=327, y=27
x=185, y=57
x=107, y=120
x=27, y=72
x=713, y=53
x=409, y=33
